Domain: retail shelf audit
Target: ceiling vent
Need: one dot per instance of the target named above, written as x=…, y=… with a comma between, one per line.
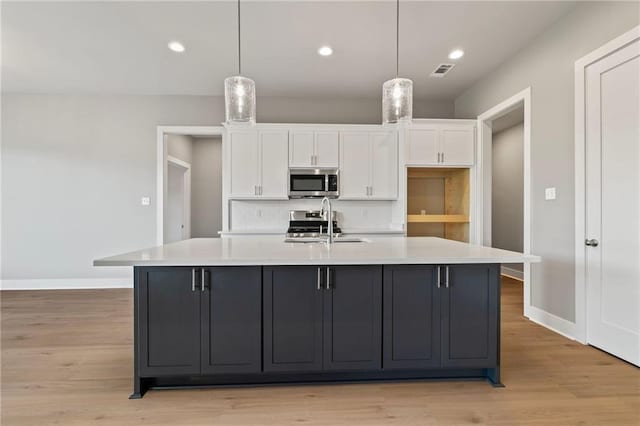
x=442, y=69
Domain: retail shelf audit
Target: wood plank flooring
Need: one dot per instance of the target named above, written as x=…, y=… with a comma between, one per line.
x=67, y=359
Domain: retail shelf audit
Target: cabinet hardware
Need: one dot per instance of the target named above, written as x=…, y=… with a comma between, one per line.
x=328, y=278
x=260, y=189
x=446, y=277
x=438, y=276
x=203, y=272
x=592, y=242
x=443, y=157
x=193, y=279
x=319, y=278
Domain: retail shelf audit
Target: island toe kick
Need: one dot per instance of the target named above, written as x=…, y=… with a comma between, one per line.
x=255, y=325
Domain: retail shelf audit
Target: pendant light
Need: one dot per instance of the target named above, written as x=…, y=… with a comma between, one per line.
x=240, y=93
x=397, y=94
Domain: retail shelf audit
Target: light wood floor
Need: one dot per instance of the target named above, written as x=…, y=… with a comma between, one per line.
x=66, y=359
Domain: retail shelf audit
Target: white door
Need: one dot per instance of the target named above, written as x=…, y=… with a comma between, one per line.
x=384, y=166
x=273, y=164
x=301, y=151
x=613, y=203
x=457, y=145
x=327, y=149
x=354, y=165
x=243, y=148
x=175, y=222
x=423, y=146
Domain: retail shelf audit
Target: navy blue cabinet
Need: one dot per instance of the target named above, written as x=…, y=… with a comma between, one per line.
x=441, y=316
x=470, y=303
x=292, y=319
x=231, y=320
x=353, y=318
x=322, y=318
x=193, y=321
x=411, y=317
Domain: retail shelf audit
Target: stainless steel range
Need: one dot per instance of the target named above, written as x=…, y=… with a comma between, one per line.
x=306, y=224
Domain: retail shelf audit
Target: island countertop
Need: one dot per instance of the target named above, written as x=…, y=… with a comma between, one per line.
x=272, y=250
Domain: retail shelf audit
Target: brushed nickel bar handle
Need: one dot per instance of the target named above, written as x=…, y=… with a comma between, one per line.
x=328, y=278
x=202, y=281
x=446, y=277
x=193, y=279
x=438, y=276
x=319, y=278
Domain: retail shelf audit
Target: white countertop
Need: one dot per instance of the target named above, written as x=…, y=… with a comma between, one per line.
x=272, y=250
x=347, y=231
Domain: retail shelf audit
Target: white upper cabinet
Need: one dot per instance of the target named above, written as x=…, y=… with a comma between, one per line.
x=308, y=148
x=273, y=164
x=368, y=165
x=355, y=160
x=457, y=145
x=258, y=162
x=327, y=149
x=440, y=144
x=423, y=145
x=243, y=152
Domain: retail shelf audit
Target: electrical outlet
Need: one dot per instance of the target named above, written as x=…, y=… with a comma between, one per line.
x=550, y=194
x=145, y=201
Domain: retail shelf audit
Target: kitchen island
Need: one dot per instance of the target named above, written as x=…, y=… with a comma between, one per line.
x=260, y=311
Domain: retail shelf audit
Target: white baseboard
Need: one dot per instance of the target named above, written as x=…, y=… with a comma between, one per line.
x=66, y=283
x=512, y=273
x=552, y=322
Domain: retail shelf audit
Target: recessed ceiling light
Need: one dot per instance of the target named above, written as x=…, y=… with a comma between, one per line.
x=456, y=54
x=325, y=51
x=176, y=46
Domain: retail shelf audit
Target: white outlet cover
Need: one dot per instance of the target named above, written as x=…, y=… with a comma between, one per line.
x=145, y=201
x=550, y=194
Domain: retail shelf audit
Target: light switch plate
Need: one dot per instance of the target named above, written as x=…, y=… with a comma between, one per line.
x=550, y=194
x=145, y=201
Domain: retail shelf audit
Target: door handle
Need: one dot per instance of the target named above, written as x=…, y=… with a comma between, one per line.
x=319, y=278
x=193, y=279
x=203, y=272
x=442, y=158
x=592, y=242
x=328, y=278
x=438, y=276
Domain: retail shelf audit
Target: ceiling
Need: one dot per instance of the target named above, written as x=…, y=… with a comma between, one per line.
x=121, y=47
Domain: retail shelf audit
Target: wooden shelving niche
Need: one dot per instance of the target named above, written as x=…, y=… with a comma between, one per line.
x=438, y=202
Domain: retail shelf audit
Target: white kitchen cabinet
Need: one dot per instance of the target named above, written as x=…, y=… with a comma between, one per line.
x=309, y=148
x=440, y=144
x=258, y=164
x=368, y=165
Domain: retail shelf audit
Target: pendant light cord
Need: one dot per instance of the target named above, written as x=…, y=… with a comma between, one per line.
x=239, y=44
x=397, y=37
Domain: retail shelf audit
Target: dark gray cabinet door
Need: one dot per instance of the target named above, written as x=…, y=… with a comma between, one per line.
x=353, y=318
x=470, y=314
x=292, y=321
x=411, y=323
x=168, y=322
x=231, y=320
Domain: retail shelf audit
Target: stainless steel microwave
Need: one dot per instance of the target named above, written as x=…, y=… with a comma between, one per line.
x=313, y=183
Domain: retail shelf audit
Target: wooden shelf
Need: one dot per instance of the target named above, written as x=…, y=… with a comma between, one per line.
x=437, y=218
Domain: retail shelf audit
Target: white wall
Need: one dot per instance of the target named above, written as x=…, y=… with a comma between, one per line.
x=75, y=167
x=547, y=65
x=507, y=195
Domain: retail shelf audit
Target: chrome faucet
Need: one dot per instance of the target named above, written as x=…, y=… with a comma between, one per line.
x=329, y=217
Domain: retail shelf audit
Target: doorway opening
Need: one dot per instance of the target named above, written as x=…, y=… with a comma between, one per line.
x=503, y=179
x=189, y=183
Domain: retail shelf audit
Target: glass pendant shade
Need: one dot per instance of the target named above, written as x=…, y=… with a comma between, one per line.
x=240, y=100
x=397, y=100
